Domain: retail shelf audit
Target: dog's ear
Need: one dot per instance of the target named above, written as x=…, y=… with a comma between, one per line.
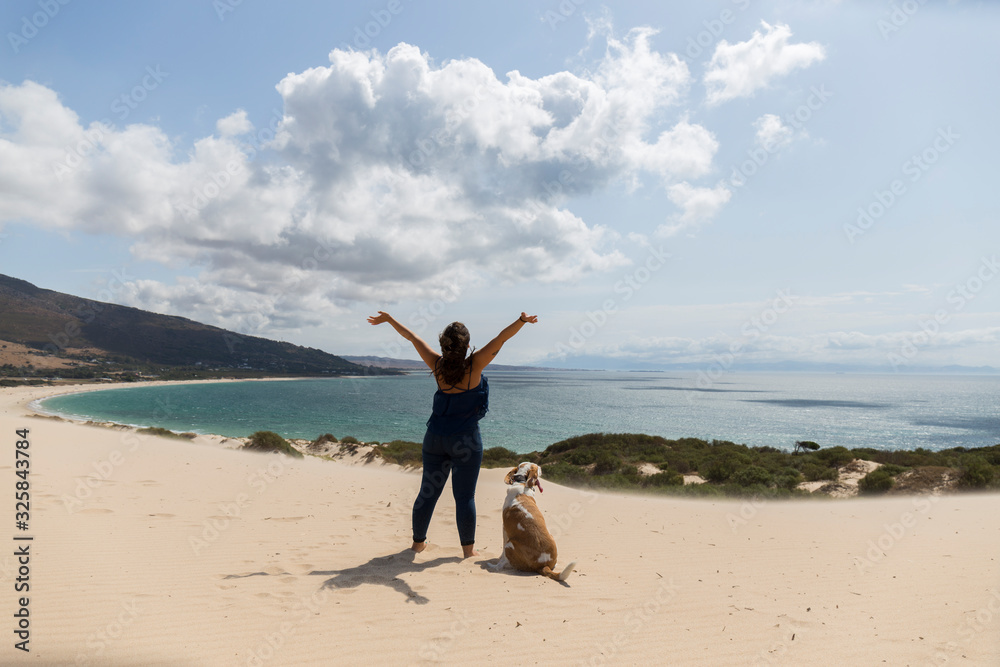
x=509, y=479
x=535, y=477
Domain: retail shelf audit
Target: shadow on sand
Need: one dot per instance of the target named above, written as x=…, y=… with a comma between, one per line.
x=490, y=564
x=384, y=571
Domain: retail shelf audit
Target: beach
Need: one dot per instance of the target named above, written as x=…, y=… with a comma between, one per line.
x=157, y=551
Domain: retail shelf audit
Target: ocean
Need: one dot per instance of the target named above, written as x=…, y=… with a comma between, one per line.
x=530, y=410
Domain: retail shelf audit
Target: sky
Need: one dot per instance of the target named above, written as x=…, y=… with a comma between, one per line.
x=713, y=184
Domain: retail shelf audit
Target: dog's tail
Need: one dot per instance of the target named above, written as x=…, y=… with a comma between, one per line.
x=559, y=576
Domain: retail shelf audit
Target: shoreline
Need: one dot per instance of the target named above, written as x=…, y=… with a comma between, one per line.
x=847, y=475
x=160, y=551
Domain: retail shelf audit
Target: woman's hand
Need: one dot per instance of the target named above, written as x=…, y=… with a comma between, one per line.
x=380, y=318
x=529, y=318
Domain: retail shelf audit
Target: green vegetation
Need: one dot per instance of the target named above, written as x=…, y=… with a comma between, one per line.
x=500, y=457
x=166, y=433
x=977, y=473
x=877, y=481
x=614, y=461
x=400, y=452
x=269, y=441
x=635, y=461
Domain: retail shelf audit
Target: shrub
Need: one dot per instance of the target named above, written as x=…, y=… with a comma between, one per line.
x=666, y=478
x=351, y=440
x=581, y=457
x=161, y=432
x=723, y=467
x=497, y=457
x=564, y=473
x=815, y=472
x=788, y=478
x=752, y=476
x=269, y=441
x=875, y=482
x=835, y=456
x=892, y=469
x=323, y=439
x=606, y=463
x=400, y=452
x=976, y=473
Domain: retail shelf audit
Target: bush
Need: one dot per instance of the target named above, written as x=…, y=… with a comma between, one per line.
x=269, y=441
x=835, y=456
x=787, y=478
x=724, y=467
x=498, y=457
x=323, y=439
x=400, y=452
x=875, y=482
x=351, y=440
x=606, y=463
x=161, y=432
x=752, y=476
x=581, y=457
x=564, y=473
x=892, y=469
x=976, y=473
x=815, y=472
x=666, y=478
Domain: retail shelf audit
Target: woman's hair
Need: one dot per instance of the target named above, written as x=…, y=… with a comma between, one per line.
x=454, y=344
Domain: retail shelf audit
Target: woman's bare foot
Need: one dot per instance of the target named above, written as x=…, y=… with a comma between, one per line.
x=469, y=550
x=418, y=546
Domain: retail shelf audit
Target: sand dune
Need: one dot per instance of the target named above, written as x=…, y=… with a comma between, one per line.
x=165, y=552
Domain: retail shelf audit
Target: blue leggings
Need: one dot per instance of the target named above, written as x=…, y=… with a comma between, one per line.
x=463, y=454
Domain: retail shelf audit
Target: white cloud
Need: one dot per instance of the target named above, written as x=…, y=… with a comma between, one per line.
x=387, y=177
x=738, y=70
x=697, y=205
x=234, y=124
x=772, y=134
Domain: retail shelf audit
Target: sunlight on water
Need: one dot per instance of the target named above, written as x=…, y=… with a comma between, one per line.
x=533, y=409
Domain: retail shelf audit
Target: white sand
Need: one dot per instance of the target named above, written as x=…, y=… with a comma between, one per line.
x=165, y=552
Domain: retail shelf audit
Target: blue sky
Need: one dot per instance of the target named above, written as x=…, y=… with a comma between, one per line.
x=710, y=183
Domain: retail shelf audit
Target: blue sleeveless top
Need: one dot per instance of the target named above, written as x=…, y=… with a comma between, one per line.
x=454, y=413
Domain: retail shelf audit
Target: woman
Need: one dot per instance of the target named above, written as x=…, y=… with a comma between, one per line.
x=452, y=441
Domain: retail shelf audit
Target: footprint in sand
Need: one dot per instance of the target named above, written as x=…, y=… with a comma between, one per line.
x=787, y=621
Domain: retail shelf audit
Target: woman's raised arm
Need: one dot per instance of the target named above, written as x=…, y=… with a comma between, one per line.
x=425, y=351
x=484, y=356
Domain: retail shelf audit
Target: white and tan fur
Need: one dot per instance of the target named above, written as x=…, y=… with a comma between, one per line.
x=527, y=543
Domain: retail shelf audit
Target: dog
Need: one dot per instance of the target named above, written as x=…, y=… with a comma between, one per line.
x=527, y=544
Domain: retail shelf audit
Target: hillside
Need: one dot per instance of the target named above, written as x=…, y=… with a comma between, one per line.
x=59, y=325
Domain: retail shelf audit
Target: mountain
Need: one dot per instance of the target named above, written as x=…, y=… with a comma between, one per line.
x=63, y=325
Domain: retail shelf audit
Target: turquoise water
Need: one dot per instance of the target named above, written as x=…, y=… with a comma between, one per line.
x=531, y=410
